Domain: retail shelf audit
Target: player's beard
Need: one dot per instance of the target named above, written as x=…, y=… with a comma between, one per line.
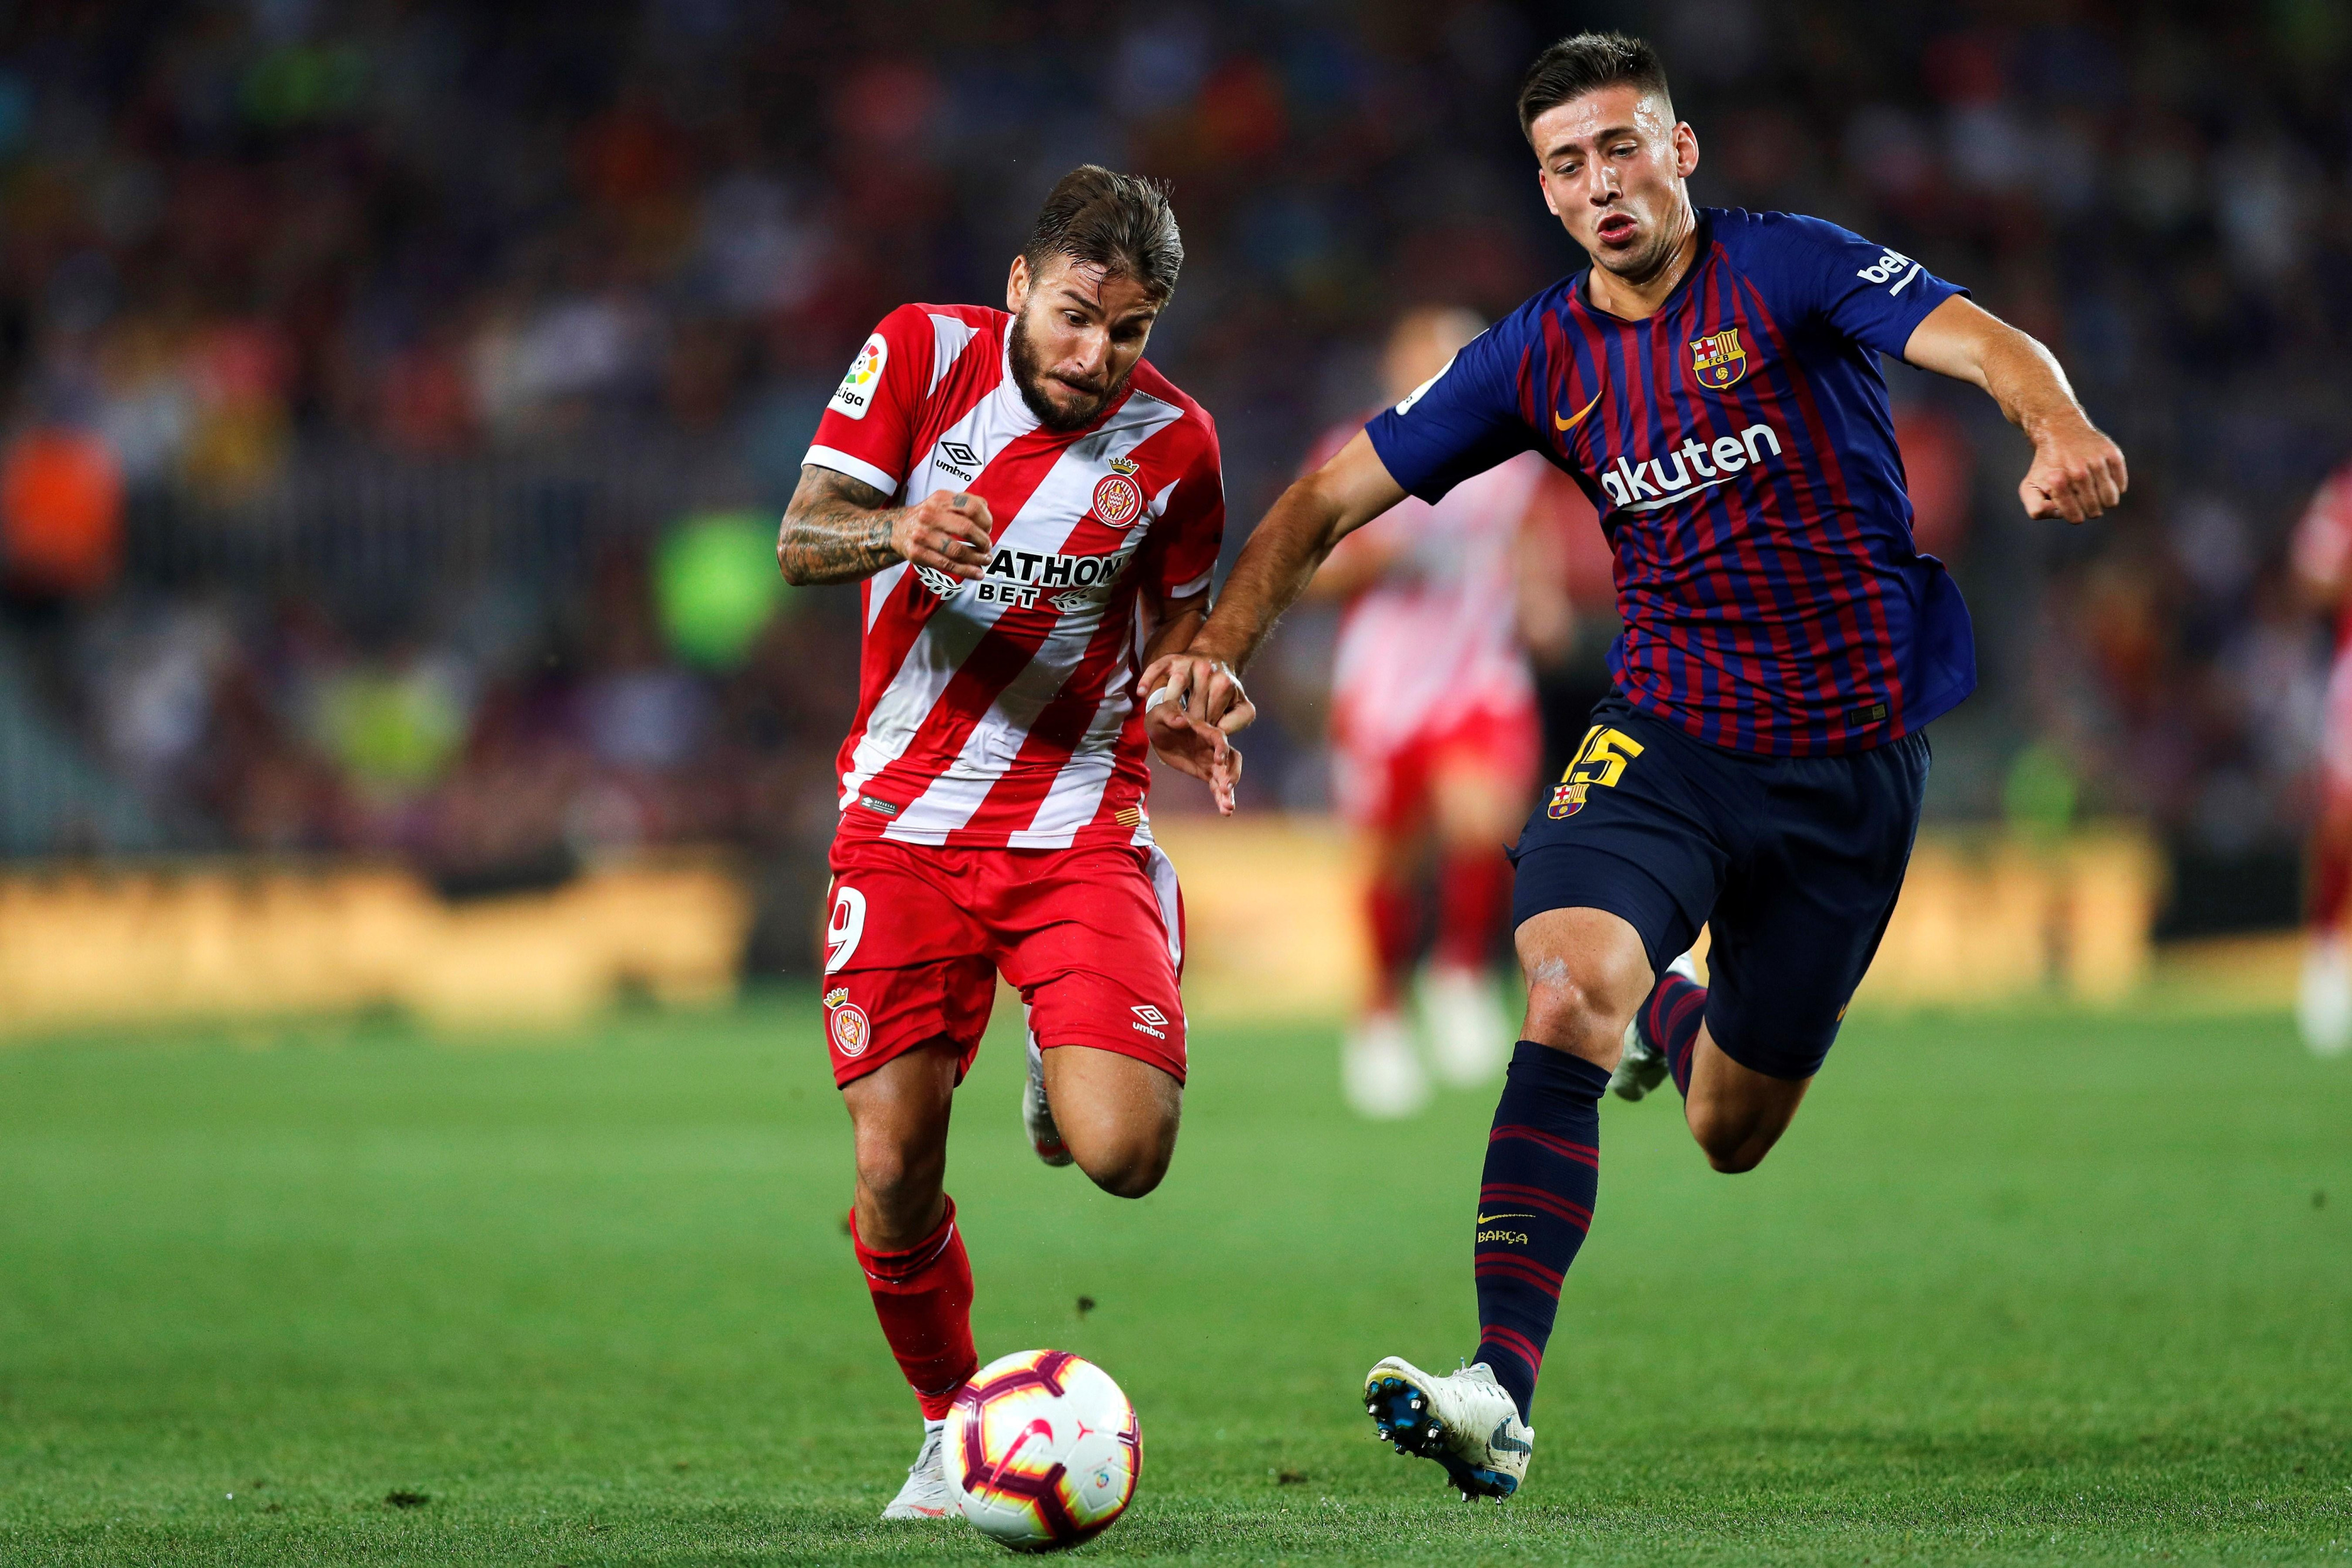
x=1028, y=375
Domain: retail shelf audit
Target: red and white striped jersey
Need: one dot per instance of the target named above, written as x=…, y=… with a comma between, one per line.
x=1001, y=713
x=2323, y=547
x=1438, y=637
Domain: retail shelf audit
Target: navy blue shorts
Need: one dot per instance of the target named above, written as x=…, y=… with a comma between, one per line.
x=1793, y=863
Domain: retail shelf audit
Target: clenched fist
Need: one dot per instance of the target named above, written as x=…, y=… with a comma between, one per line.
x=2077, y=474
x=947, y=532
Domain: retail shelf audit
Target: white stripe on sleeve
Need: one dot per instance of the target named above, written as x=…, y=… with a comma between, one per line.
x=841, y=461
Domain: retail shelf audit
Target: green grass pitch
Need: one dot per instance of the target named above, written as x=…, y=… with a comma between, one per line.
x=2023, y=1288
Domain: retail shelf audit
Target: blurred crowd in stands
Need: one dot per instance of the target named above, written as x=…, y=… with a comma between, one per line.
x=288, y=285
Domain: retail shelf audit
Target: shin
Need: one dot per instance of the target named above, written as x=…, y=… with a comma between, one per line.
x=903, y=1225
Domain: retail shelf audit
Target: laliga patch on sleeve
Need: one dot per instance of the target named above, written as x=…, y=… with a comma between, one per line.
x=856, y=393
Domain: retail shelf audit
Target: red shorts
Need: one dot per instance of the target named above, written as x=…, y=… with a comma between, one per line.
x=1092, y=938
x=1388, y=791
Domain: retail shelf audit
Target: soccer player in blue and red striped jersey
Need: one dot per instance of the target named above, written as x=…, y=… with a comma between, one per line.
x=1712, y=383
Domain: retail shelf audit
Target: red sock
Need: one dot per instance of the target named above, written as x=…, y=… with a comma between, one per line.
x=1395, y=924
x=1473, y=891
x=923, y=1297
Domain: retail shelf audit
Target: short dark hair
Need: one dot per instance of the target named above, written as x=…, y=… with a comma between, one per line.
x=1587, y=63
x=1121, y=223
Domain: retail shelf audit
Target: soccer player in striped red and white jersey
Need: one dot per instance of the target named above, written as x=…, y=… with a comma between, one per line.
x=1029, y=509
x=1712, y=383
x=1435, y=734
x=2323, y=566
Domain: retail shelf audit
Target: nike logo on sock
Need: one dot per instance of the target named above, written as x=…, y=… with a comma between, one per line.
x=1487, y=1219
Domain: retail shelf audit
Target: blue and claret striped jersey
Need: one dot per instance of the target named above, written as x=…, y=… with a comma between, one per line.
x=1738, y=449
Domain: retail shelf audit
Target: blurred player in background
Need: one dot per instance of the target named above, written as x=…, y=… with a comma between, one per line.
x=1712, y=383
x=992, y=814
x=1434, y=734
x=2323, y=565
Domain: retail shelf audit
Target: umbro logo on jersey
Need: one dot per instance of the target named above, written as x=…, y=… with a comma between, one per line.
x=958, y=459
x=1655, y=482
x=1148, y=1020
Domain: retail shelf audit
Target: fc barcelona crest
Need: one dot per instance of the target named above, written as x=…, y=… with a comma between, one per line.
x=1718, y=359
x=1567, y=799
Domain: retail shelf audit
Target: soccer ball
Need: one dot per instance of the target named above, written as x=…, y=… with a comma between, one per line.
x=1042, y=1451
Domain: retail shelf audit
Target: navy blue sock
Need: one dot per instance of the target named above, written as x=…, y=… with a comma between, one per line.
x=1670, y=1021
x=1535, y=1204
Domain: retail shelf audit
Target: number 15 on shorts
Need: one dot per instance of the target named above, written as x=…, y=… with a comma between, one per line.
x=1600, y=761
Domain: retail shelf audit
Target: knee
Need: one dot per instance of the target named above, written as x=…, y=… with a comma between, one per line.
x=901, y=1178
x=1576, y=1010
x=1586, y=973
x=1128, y=1164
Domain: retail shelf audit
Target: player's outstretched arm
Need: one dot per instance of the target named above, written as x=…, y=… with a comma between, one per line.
x=2077, y=472
x=839, y=529
x=1314, y=514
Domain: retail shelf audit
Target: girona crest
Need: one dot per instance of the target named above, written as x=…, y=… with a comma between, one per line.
x=1720, y=360
x=1118, y=500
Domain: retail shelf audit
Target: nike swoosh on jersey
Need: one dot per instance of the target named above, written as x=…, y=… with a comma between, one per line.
x=1565, y=425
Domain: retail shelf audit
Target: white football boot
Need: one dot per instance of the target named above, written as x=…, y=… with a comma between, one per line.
x=1644, y=1066
x=1469, y=1034
x=2322, y=1008
x=1379, y=1072
x=926, y=1494
x=1464, y=1420
x=1038, y=1116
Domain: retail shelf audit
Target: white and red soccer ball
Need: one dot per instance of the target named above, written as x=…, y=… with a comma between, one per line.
x=1042, y=1451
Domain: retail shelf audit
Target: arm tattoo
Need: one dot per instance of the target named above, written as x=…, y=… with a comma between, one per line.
x=837, y=529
